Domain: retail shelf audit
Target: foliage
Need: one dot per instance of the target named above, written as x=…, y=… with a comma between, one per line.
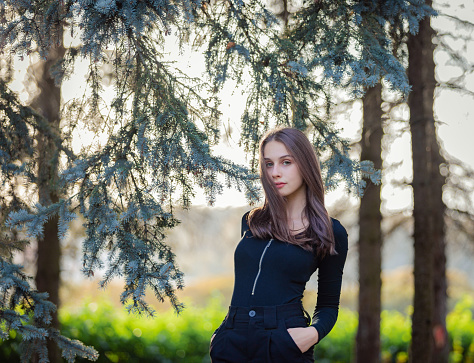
x=339, y=346
x=26, y=304
x=119, y=336
x=460, y=325
x=22, y=308
x=161, y=124
x=122, y=337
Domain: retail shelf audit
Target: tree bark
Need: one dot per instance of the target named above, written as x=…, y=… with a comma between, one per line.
x=440, y=310
x=430, y=283
x=440, y=284
x=370, y=234
x=47, y=103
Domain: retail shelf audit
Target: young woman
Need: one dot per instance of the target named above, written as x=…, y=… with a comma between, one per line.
x=283, y=243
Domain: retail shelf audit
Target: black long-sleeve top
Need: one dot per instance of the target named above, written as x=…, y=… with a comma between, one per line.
x=272, y=272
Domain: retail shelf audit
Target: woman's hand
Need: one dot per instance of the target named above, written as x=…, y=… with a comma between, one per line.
x=304, y=338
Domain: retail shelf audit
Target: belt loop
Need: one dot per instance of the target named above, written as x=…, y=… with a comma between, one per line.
x=229, y=322
x=269, y=317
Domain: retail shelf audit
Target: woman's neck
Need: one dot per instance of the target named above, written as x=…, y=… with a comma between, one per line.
x=295, y=212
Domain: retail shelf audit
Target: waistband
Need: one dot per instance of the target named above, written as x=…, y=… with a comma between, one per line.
x=269, y=314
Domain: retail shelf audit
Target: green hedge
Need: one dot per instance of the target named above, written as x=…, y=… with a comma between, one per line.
x=120, y=337
x=460, y=326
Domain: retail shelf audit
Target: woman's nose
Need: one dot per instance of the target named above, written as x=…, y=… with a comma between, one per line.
x=275, y=171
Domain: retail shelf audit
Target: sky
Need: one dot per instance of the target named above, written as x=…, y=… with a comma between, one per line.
x=454, y=113
x=453, y=110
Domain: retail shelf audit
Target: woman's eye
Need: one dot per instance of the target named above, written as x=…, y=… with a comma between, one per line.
x=269, y=165
x=287, y=162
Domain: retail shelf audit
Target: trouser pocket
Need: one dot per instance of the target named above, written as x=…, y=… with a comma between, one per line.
x=282, y=347
x=217, y=348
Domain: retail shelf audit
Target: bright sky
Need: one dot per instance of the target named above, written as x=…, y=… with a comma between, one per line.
x=453, y=110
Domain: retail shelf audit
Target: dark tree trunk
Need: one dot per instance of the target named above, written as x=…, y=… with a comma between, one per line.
x=47, y=103
x=440, y=333
x=440, y=285
x=430, y=282
x=370, y=234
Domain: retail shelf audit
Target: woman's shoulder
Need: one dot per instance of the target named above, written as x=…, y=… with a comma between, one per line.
x=245, y=218
x=340, y=233
x=337, y=227
x=245, y=224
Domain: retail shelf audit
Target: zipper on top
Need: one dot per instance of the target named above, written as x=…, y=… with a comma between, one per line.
x=260, y=265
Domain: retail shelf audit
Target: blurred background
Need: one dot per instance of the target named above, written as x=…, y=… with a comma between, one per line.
x=205, y=239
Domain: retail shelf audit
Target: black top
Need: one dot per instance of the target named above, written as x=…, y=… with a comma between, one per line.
x=272, y=272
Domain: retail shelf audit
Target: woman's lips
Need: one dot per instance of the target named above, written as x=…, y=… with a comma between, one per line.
x=280, y=185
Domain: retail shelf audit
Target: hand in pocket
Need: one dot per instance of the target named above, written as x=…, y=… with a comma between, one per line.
x=304, y=338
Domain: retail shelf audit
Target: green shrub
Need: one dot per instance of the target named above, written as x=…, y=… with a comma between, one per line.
x=120, y=337
x=395, y=336
x=338, y=346
x=460, y=326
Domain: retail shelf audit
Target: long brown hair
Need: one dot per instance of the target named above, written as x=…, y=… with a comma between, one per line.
x=270, y=220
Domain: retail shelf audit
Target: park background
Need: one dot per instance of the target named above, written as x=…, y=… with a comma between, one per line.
x=206, y=237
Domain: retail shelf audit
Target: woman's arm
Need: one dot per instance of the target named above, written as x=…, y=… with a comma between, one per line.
x=329, y=291
x=329, y=283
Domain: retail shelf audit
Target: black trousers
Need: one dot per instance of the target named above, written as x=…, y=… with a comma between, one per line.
x=259, y=335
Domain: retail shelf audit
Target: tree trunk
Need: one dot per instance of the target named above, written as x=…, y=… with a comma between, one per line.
x=370, y=235
x=440, y=333
x=440, y=285
x=428, y=233
x=47, y=103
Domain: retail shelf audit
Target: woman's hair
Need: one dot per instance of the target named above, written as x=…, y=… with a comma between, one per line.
x=270, y=220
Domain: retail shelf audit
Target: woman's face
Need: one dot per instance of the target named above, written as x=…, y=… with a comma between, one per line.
x=283, y=171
